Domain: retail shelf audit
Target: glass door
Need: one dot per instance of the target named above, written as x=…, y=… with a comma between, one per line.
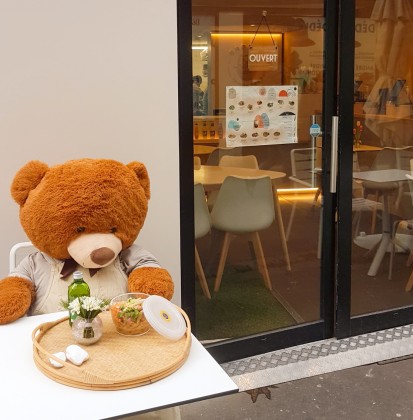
x=262, y=103
x=376, y=148
x=316, y=96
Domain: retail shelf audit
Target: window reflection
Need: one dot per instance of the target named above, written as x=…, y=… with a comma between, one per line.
x=236, y=50
x=382, y=142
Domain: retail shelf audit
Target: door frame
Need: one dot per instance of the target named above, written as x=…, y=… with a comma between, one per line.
x=346, y=325
x=336, y=243
x=303, y=333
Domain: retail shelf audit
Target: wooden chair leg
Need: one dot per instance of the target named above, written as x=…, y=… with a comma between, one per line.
x=290, y=220
x=356, y=223
x=316, y=196
x=261, y=260
x=374, y=216
x=223, y=258
x=281, y=230
x=409, y=284
x=393, y=248
x=201, y=275
x=409, y=259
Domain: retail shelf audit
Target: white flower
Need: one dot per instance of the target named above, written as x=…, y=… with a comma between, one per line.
x=88, y=306
x=74, y=306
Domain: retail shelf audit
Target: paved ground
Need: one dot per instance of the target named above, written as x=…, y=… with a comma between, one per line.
x=381, y=391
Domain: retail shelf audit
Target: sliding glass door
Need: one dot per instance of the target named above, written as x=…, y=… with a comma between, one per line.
x=301, y=92
x=376, y=148
x=259, y=76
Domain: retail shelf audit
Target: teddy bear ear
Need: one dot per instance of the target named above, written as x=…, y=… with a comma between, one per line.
x=142, y=174
x=27, y=179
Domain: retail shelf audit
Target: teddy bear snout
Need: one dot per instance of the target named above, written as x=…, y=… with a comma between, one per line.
x=101, y=256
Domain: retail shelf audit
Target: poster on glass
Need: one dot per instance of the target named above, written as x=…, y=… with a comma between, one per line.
x=260, y=115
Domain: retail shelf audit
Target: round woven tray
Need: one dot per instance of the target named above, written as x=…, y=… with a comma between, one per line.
x=115, y=361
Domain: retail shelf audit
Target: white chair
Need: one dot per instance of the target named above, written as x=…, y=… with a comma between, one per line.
x=407, y=227
x=248, y=161
x=243, y=207
x=389, y=158
x=303, y=173
x=215, y=156
x=18, y=252
x=361, y=204
x=202, y=228
x=302, y=166
x=395, y=158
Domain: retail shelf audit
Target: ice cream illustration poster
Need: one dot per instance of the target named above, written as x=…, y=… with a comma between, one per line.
x=258, y=115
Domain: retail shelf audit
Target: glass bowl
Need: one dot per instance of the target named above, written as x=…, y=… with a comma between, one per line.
x=127, y=314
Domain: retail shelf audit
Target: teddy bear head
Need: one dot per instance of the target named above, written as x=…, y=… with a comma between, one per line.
x=85, y=209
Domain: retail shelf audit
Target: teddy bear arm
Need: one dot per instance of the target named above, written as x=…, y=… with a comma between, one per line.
x=151, y=280
x=16, y=296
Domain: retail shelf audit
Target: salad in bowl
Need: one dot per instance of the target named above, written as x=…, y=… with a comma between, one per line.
x=127, y=314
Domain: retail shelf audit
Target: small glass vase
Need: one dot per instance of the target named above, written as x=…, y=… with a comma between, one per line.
x=87, y=331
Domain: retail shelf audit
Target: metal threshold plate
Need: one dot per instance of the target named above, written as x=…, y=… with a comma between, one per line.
x=320, y=357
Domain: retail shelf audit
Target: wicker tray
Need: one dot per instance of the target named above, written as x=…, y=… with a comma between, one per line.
x=115, y=361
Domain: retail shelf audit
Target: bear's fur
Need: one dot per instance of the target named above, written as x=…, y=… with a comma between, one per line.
x=87, y=210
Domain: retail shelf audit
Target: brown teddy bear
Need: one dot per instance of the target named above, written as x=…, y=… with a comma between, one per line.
x=82, y=215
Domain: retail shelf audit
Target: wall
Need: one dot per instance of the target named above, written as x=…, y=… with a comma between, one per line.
x=95, y=78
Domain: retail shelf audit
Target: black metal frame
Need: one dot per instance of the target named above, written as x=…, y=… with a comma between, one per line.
x=332, y=324
x=260, y=343
x=186, y=165
x=345, y=169
x=346, y=325
x=327, y=292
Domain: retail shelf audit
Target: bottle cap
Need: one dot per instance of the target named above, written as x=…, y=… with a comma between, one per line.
x=164, y=317
x=78, y=275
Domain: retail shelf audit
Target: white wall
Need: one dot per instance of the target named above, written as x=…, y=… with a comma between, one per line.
x=92, y=78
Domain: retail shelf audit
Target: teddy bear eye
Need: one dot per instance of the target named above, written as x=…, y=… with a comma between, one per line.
x=113, y=230
x=80, y=229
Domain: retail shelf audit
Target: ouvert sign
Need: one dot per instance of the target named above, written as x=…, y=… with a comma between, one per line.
x=263, y=58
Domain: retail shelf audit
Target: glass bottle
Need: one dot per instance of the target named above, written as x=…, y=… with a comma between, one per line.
x=204, y=130
x=220, y=131
x=77, y=289
x=196, y=131
x=212, y=131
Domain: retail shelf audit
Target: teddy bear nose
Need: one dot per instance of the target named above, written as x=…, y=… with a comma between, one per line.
x=102, y=255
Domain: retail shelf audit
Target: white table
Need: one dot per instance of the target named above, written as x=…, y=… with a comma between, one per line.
x=26, y=393
x=382, y=177
x=212, y=177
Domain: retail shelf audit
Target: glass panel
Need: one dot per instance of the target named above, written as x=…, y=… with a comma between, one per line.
x=257, y=89
x=382, y=150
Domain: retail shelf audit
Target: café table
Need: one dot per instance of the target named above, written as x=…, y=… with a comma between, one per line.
x=203, y=151
x=200, y=149
x=366, y=148
x=212, y=177
x=26, y=393
x=382, y=178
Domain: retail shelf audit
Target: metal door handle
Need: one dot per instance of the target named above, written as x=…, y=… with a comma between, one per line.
x=334, y=147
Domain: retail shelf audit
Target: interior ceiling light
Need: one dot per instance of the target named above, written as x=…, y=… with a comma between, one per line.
x=277, y=24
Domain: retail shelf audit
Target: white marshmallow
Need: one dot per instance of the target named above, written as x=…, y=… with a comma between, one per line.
x=76, y=354
x=60, y=355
